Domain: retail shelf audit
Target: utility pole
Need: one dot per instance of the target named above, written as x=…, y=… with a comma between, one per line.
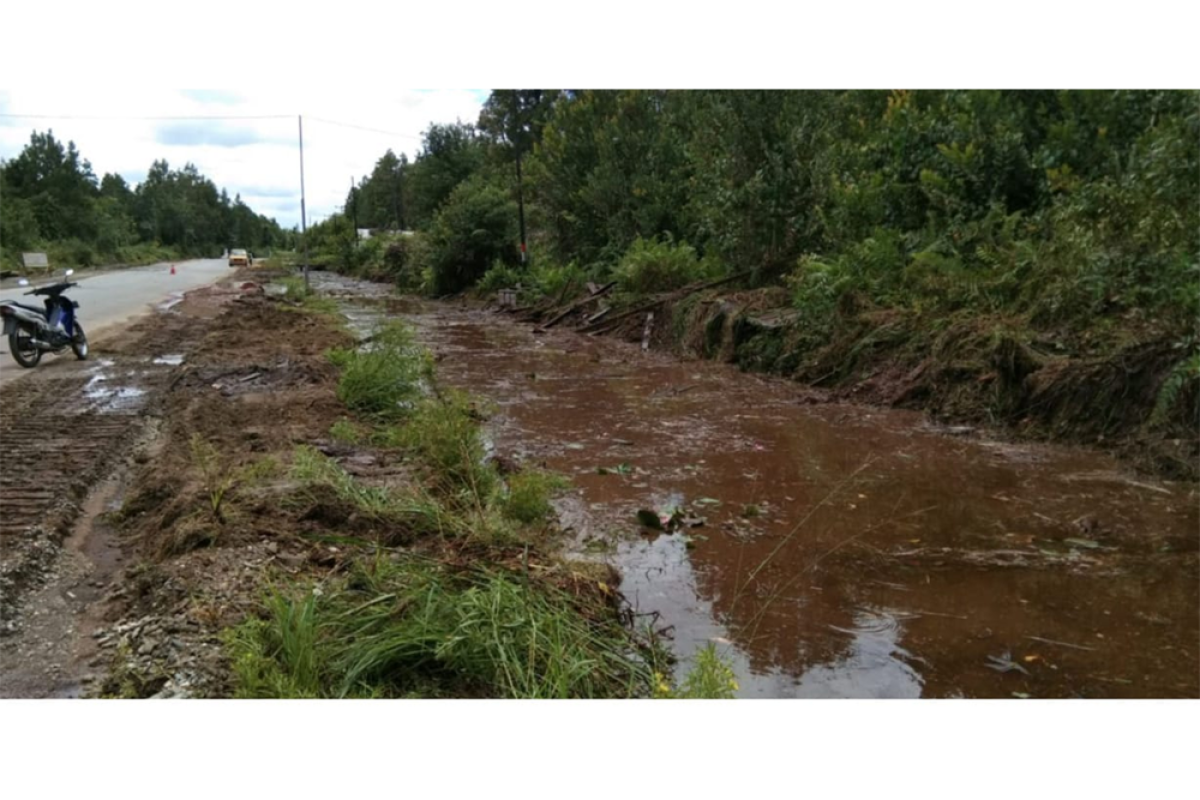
x=516, y=146
x=396, y=196
x=354, y=208
x=303, y=222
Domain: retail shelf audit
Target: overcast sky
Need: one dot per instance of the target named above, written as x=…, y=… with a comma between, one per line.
x=257, y=158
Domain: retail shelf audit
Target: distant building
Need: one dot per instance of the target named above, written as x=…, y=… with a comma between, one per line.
x=364, y=233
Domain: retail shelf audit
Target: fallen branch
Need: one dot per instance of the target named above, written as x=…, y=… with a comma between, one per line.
x=578, y=303
x=631, y=312
x=598, y=315
x=671, y=297
x=1062, y=644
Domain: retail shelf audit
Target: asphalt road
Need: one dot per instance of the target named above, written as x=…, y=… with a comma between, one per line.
x=109, y=299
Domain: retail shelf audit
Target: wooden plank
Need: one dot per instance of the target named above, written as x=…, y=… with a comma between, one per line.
x=578, y=303
x=595, y=318
x=677, y=295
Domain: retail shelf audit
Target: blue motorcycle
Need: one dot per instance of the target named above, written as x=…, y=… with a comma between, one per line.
x=32, y=331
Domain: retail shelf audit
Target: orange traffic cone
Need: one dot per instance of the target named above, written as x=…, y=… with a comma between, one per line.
x=172, y=269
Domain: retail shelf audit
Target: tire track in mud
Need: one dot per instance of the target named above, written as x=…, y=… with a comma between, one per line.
x=62, y=431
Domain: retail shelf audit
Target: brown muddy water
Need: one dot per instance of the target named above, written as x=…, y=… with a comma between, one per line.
x=841, y=550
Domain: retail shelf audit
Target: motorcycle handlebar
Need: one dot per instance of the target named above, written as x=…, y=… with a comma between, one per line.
x=59, y=287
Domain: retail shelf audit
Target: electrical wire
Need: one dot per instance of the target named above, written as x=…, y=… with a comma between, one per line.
x=215, y=117
x=89, y=118
x=364, y=128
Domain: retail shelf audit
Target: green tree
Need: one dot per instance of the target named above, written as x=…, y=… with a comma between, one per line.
x=378, y=199
x=475, y=229
x=450, y=154
x=758, y=173
x=516, y=117
x=58, y=184
x=611, y=168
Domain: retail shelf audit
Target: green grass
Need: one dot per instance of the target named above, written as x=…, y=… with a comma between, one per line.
x=710, y=678
x=261, y=470
x=414, y=628
x=529, y=493
x=294, y=288
x=412, y=510
x=295, y=291
x=443, y=433
x=215, y=475
x=441, y=436
x=346, y=432
x=384, y=378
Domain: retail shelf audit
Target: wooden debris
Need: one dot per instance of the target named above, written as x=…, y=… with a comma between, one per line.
x=577, y=304
x=646, y=331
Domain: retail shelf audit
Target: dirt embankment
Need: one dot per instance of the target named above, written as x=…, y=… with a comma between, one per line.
x=976, y=370
x=216, y=516
x=202, y=516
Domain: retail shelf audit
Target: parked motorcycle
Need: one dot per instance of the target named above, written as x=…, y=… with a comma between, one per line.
x=32, y=331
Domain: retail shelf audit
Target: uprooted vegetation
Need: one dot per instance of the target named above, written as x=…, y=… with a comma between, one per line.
x=368, y=546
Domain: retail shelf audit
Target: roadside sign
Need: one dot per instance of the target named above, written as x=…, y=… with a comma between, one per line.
x=35, y=261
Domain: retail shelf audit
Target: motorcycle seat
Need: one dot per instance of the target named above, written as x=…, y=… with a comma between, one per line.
x=38, y=309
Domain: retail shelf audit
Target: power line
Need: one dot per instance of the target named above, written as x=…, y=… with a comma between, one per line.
x=123, y=118
x=364, y=128
x=137, y=118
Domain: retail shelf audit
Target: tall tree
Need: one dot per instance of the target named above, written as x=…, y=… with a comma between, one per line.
x=515, y=118
x=450, y=154
x=59, y=185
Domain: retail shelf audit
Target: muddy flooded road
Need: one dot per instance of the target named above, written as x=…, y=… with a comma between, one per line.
x=835, y=550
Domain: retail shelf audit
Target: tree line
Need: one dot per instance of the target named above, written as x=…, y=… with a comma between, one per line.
x=1058, y=204
x=52, y=201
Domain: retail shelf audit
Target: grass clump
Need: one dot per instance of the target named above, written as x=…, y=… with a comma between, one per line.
x=443, y=433
x=384, y=378
x=415, y=628
x=294, y=288
x=710, y=678
x=295, y=291
x=261, y=470
x=218, y=481
x=529, y=493
x=413, y=511
x=346, y=432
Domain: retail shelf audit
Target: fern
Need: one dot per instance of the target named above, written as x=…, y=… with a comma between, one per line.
x=1185, y=371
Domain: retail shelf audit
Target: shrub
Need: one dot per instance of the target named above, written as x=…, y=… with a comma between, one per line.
x=652, y=265
x=474, y=229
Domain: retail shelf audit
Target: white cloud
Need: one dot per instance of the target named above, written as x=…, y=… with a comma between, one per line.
x=257, y=158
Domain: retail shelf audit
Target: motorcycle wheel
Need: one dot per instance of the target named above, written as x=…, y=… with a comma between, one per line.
x=20, y=344
x=80, y=343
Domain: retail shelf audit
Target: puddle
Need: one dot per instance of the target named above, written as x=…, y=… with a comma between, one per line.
x=113, y=398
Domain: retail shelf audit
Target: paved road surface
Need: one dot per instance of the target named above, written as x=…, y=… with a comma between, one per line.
x=111, y=298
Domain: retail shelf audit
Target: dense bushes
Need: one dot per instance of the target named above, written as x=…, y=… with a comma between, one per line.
x=476, y=228
x=657, y=266
x=1063, y=208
